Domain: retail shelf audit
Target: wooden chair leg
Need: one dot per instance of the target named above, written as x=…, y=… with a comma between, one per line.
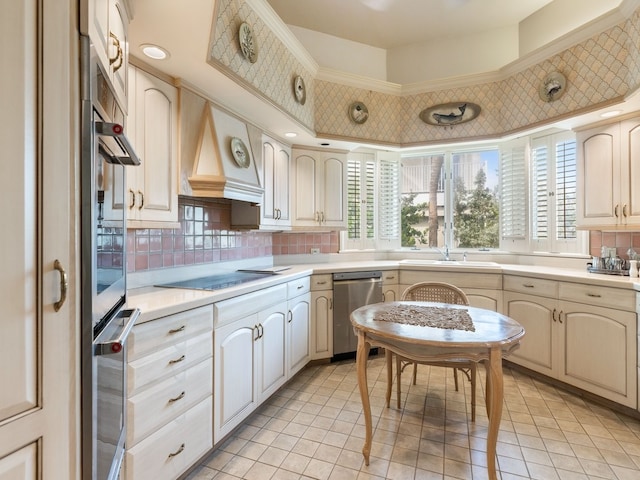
x=415, y=372
x=455, y=377
x=398, y=376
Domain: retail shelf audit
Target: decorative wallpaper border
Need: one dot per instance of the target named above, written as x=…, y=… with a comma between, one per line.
x=600, y=70
x=271, y=76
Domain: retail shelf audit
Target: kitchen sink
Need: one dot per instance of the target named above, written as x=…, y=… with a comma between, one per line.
x=451, y=263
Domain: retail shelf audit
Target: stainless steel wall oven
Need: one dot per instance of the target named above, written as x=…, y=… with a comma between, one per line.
x=105, y=154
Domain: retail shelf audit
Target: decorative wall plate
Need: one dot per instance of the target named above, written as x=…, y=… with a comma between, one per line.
x=248, y=44
x=358, y=112
x=452, y=113
x=299, y=90
x=240, y=153
x=552, y=87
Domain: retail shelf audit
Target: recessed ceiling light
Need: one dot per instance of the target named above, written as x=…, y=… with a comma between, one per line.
x=154, y=51
x=611, y=113
x=291, y=134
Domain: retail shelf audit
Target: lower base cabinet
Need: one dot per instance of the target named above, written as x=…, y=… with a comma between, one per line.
x=591, y=346
x=170, y=451
x=321, y=316
x=169, y=394
x=261, y=339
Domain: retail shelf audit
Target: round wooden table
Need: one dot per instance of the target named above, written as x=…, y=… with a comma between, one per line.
x=414, y=330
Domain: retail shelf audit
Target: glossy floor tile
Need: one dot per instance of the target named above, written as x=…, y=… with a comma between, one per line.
x=313, y=428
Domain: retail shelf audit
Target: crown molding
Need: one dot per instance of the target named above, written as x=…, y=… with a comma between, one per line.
x=358, y=81
x=280, y=30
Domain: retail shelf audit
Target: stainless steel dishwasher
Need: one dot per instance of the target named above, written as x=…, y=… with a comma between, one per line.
x=351, y=290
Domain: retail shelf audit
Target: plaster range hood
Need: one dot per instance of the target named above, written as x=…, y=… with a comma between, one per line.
x=216, y=172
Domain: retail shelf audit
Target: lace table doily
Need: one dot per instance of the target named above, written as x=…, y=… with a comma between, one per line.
x=437, y=317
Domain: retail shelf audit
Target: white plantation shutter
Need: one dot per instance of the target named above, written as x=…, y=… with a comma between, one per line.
x=353, y=199
x=389, y=200
x=566, y=183
x=513, y=191
x=540, y=189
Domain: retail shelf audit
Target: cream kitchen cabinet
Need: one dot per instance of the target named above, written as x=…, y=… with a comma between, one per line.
x=39, y=201
x=152, y=130
x=107, y=23
x=483, y=289
x=298, y=325
x=608, y=175
x=249, y=354
x=169, y=394
x=276, y=171
x=321, y=316
x=390, y=289
x=587, y=339
x=320, y=189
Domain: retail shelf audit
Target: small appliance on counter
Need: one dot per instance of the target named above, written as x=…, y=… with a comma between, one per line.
x=609, y=263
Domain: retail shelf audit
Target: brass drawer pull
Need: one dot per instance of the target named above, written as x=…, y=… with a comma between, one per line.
x=176, y=330
x=595, y=295
x=177, y=360
x=392, y=277
x=64, y=285
x=323, y=282
x=528, y=285
x=179, y=397
x=177, y=452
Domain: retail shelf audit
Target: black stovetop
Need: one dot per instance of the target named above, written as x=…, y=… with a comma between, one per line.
x=218, y=282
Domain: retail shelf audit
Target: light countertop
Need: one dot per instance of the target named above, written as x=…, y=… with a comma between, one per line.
x=155, y=302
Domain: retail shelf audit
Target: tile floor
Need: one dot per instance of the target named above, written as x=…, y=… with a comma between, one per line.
x=313, y=428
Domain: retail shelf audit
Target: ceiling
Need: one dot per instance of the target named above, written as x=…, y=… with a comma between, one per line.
x=185, y=32
x=394, y=23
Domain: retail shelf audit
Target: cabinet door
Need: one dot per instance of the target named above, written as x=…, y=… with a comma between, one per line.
x=332, y=186
x=600, y=351
x=153, y=184
x=39, y=356
x=118, y=50
x=299, y=321
x=321, y=324
x=599, y=176
x=276, y=160
x=630, y=171
x=234, y=377
x=306, y=206
x=537, y=315
x=270, y=350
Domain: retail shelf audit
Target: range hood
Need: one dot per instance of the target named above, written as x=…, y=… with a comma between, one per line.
x=225, y=166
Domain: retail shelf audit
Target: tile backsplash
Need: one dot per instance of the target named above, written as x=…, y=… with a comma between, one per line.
x=622, y=241
x=205, y=236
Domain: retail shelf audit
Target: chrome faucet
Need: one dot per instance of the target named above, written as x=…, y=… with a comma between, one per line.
x=444, y=253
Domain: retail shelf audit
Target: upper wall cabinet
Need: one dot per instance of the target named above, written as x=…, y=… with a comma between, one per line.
x=107, y=25
x=153, y=130
x=608, y=176
x=320, y=189
x=276, y=168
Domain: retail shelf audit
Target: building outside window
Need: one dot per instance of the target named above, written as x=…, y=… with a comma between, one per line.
x=450, y=198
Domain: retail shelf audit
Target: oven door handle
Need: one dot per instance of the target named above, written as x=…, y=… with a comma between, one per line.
x=115, y=345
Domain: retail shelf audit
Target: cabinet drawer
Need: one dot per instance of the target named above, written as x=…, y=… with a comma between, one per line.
x=531, y=286
x=228, y=311
x=298, y=287
x=461, y=280
x=169, y=330
x=322, y=282
x=170, y=451
x=164, y=401
x=390, y=277
x=601, y=296
x=169, y=361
